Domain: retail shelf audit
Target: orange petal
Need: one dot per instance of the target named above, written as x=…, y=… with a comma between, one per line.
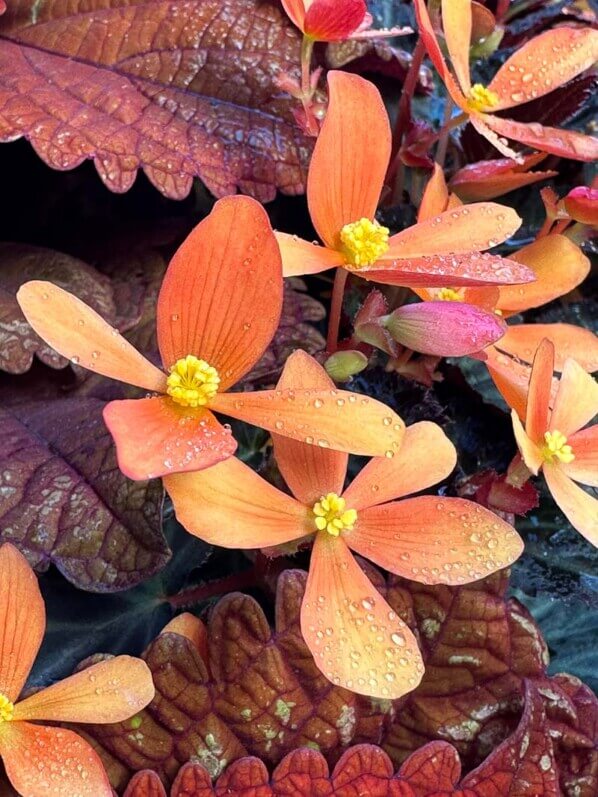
x=580, y=509
x=222, y=294
x=563, y=53
x=456, y=23
x=296, y=11
x=482, y=124
x=79, y=333
x=469, y=228
x=439, y=271
x=309, y=471
x=232, y=506
x=559, y=266
x=584, y=468
x=300, y=257
x=435, y=197
x=511, y=378
x=111, y=691
x=356, y=639
x=576, y=401
x=155, y=436
x=496, y=185
x=566, y=143
x=327, y=418
x=435, y=540
x=538, y=395
x=425, y=458
x=349, y=161
x=426, y=31
x=192, y=628
x=580, y=344
x=529, y=450
x=43, y=761
x=22, y=620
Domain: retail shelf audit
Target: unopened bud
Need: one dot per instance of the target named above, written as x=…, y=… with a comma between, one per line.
x=342, y=365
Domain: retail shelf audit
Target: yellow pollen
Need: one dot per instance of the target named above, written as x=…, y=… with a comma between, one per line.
x=192, y=382
x=556, y=446
x=481, y=98
x=330, y=515
x=449, y=295
x=364, y=241
x=7, y=709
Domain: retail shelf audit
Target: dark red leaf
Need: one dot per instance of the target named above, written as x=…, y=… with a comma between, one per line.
x=145, y=784
x=64, y=501
x=180, y=90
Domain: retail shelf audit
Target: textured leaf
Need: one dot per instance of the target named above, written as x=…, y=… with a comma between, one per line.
x=20, y=263
x=64, y=501
x=179, y=89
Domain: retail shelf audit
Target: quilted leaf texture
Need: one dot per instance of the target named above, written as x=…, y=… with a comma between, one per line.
x=178, y=88
x=524, y=765
x=64, y=501
x=259, y=693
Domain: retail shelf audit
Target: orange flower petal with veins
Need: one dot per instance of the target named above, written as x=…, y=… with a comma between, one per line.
x=435, y=198
x=412, y=469
x=559, y=266
x=22, y=620
x=333, y=20
x=43, y=761
x=576, y=401
x=356, y=639
x=350, y=159
x=335, y=419
x=538, y=394
x=493, y=178
x=530, y=452
x=543, y=64
x=111, y=691
x=79, y=333
x=155, y=436
x=222, y=293
x=565, y=143
x=580, y=509
x=300, y=257
x=584, y=468
x=295, y=10
x=457, y=24
x=435, y=540
x=233, y=506
x=522, y=340
x=309, y=471
x=426, y=31
x=470, y=228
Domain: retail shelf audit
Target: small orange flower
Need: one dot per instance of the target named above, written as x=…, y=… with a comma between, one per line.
x=335, y=20
x=41, y=760
x=357, y=640
x=555, y=441
x=218, y=309
x=543, y=64
x=345, y=179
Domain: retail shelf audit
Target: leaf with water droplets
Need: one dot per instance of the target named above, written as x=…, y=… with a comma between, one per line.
x=179, y=90
x=63, y=500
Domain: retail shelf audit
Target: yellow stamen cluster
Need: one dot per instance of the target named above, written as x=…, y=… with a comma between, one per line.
x=481, y=99
x=331, y=515
x=449, y=295
x=7, y=709
x=364, y=241
x=556, y=447
x=192, y=382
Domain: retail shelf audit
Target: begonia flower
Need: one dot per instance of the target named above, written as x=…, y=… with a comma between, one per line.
x=345, y=179
x=554, y=440
x=492, y=178
x=217, y=311
x=541, y=65
x=45, y=760
x=581, y=204
x=336, y=20
x=357, y=640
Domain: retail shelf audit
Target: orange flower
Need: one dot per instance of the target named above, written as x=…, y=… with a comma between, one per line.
x=554, y=440
x=345, y=180
x=357, y=640
x=543, y=64
x=335, y=20
x=41, y=760
x=217, y=311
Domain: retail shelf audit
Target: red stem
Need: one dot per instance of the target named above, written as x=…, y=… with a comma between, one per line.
x=232, y=583
x=336, y=306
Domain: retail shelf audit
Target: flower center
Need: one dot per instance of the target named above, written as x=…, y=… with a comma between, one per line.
x=449, y=295
x=192, y=382
x=7, y=709
x=364, y=241
x=481, y=98
x=330, y=514
x=556, y=446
